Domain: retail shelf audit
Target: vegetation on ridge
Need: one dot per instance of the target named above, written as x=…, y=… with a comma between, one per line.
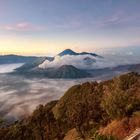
x=88, y=109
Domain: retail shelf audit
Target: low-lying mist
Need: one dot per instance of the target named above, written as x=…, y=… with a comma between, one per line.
x=19, y=96
x=5, y=68
x=98, y=63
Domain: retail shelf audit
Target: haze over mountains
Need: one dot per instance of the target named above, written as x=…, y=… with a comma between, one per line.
x=31, y=78
x=9, y=59
x=70, y=64
x=64, y=65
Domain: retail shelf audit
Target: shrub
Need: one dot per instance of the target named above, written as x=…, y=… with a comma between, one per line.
x=119, y=104
x=126, y=81
x=1, y=121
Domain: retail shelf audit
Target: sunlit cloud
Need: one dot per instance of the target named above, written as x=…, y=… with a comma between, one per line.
x=23, y=26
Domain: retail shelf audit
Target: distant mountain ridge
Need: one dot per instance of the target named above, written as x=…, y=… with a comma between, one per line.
x=67, y=52
x=62, y=71
x=68, y=71
x=71, y=52
x=9, y=59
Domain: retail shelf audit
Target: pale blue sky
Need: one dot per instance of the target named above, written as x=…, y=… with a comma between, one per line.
x=49, y=26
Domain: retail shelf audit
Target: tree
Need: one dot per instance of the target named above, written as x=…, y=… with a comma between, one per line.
x=120, y=103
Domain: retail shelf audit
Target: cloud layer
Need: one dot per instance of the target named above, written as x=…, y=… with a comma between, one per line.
x=78, y=61
x=20, y=96
x=5, y=68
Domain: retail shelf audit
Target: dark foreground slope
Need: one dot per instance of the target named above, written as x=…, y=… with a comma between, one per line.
x=108, y=110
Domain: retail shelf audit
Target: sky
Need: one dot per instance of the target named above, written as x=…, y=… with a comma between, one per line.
x=46, y=27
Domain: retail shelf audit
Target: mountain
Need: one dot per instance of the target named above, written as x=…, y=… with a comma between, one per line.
x=89, y=60
x=67, y=71
x=135, y=68
x=67, y=52
x=53, y=67
x=109, y=110
x=8, y=59
x=40, y=66
x=71, y=72
x=29, y=66
x=62, y=72
x=71, y=52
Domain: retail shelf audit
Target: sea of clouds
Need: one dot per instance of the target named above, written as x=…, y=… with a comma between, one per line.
x=78, y=61
x=19, y=96
x=6, y=68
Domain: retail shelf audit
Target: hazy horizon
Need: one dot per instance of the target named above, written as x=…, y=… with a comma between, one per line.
x=128, y=50
x=47, y=27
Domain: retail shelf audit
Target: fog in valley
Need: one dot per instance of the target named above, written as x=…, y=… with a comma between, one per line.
x=78, y=61
x=6, y=68
x=19, y=96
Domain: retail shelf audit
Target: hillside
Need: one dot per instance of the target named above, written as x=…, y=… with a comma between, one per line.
x=109, y=110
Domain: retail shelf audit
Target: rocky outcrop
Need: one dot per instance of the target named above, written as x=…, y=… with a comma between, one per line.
x=134, y=136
